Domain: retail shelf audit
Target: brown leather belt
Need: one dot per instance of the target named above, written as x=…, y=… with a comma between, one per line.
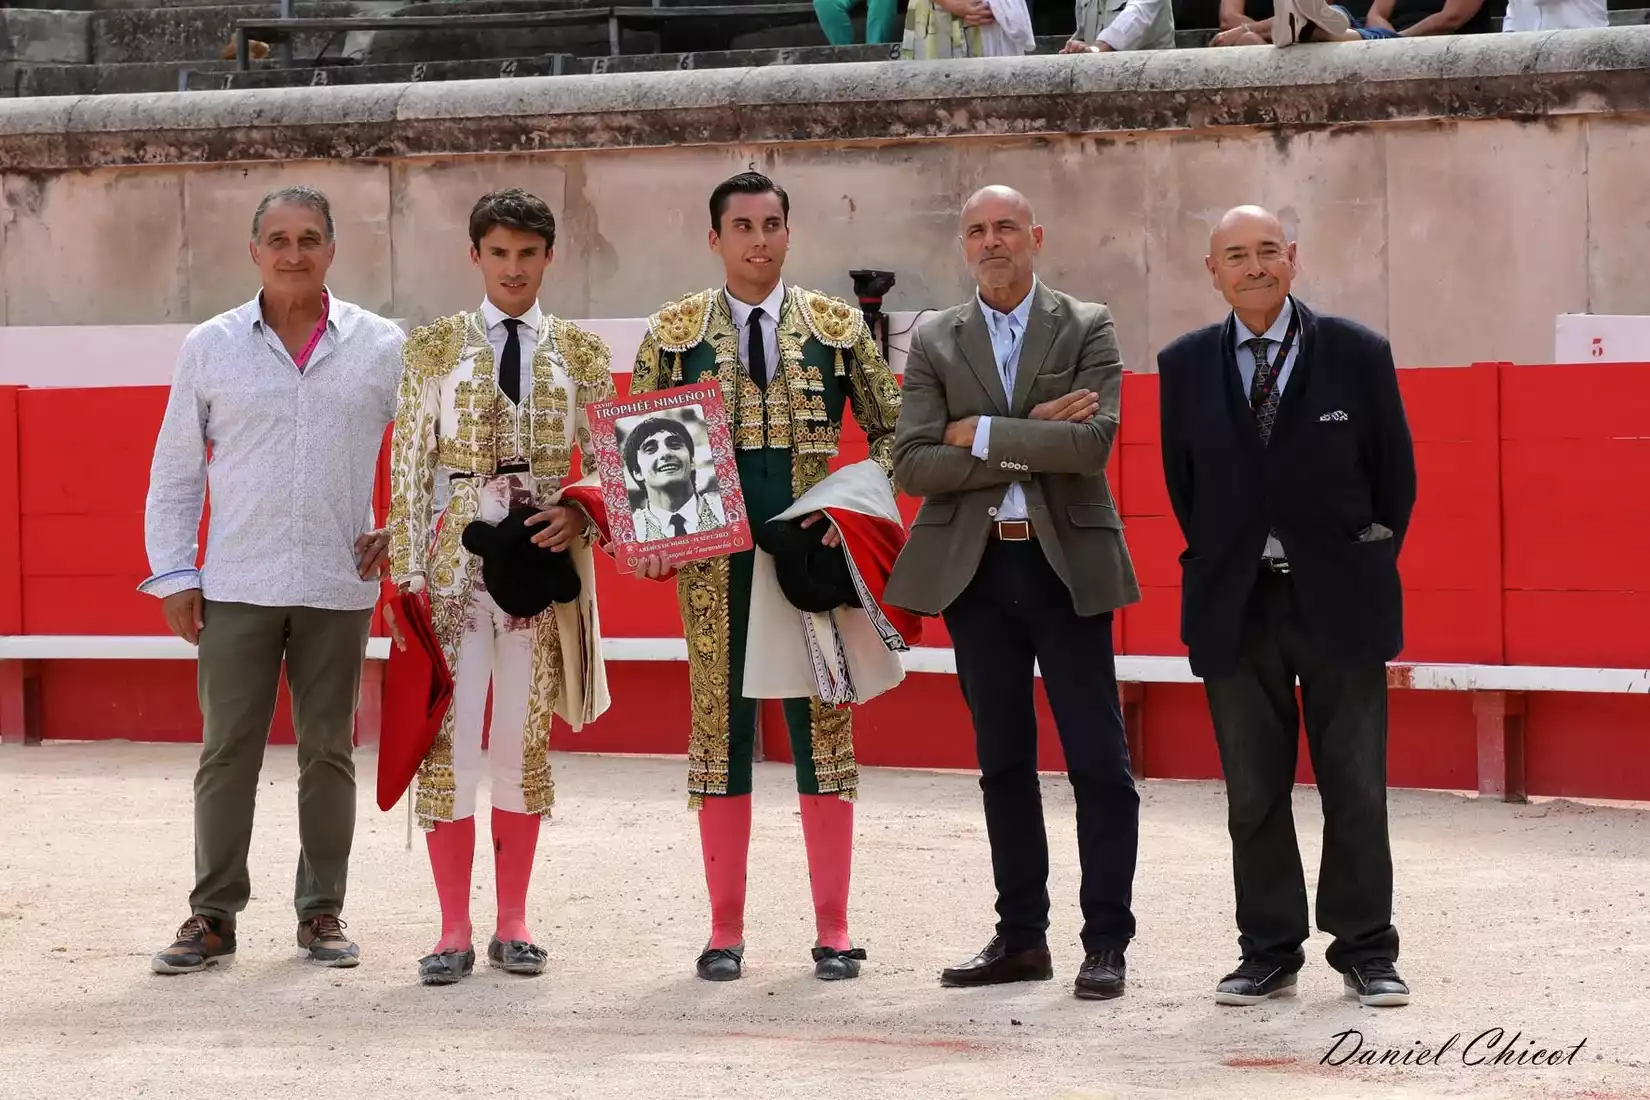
x=1012, y=530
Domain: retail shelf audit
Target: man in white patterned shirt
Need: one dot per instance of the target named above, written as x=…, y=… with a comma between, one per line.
x=291, y=393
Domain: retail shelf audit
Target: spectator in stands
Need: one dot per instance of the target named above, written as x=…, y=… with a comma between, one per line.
x=1554, y=15
x=1416, y=18
x=1291, y=473
x=1302, y=21
x=881, y=20
x=292, y=392
x=1107, y=25
x=967, y=28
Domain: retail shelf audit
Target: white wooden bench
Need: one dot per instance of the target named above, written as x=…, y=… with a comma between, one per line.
x=1499, y=691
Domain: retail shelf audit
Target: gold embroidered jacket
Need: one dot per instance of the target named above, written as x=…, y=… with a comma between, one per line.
x=452, y=415
x=828, y=359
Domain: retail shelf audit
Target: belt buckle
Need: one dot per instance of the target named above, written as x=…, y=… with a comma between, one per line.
x=1004, y=526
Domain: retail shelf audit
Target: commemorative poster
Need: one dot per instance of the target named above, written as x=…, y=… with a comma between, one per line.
x=668, y=475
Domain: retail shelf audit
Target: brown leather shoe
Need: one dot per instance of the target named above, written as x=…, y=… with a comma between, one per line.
x=201, y=942
x=323, y=937
x=996, y=966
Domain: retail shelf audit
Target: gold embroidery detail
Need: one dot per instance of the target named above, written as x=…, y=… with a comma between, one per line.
x=680, y=326
x=702, y=596
x=831, y=321
x=427, y=355
x=835, y=768
x=538, y=784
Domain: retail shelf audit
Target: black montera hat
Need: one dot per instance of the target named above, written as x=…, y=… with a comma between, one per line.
x=522, y=578
x=814, y=577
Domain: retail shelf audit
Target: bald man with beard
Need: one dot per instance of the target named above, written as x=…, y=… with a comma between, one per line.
x=1291, y=472
x=1010, y=412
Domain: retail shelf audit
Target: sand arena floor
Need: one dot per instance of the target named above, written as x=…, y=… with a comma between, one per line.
x=1530, y=918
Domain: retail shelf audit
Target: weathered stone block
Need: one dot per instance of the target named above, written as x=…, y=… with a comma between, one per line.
x=195, y=33
x=45, y=37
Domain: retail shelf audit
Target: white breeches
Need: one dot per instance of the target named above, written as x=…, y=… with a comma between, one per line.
x=490, y=655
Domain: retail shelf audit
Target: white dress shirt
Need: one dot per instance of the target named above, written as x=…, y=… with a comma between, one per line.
x=527, y=335
x=1246, y=371
x=1008, y=336
x=688, y=511
x=294, y=454
x=770, y=327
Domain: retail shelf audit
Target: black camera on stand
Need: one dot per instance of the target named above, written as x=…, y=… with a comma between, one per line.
x=869, y=287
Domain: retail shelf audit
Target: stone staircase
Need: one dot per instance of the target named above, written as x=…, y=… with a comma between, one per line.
x=99, y=47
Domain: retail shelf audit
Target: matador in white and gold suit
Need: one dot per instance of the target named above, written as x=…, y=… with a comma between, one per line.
x=501, y=444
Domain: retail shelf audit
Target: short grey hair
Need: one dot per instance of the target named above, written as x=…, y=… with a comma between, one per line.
x=301, y=196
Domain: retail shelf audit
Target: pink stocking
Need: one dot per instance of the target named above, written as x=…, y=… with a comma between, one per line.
x=828, y=832
x=725, y=840
x=515, y=838
x=452, y=847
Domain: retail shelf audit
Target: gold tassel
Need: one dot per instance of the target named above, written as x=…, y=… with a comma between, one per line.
x=676, y=371
x=840, y=371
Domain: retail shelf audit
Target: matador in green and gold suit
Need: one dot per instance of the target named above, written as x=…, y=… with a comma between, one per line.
x=785, y=434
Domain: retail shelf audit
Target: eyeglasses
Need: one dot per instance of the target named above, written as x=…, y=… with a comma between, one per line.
x=1268, y=255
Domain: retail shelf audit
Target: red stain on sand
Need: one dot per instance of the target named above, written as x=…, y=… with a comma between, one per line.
x=1238, y=1062
x=959, y=1046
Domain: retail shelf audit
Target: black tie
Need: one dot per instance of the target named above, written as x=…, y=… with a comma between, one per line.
x=756, y=355
x=678, y=525
x=509, y=371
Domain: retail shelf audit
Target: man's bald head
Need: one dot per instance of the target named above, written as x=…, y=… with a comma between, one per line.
x=1252, y=262
x=1000, y=240
x=997, y=193
x=1242, y=221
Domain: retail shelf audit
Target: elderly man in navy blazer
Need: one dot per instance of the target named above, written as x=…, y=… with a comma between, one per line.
x=1291, y=471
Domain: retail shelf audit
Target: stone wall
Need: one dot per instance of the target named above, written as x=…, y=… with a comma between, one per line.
x=1455, y=193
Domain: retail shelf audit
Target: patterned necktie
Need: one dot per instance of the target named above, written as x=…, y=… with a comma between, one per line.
x=678, y=525
x=756, y=353
x=509, y=370
x=1263, y=395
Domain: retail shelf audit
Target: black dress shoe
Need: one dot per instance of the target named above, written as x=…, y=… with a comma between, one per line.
x=1255, y=981
x=447, y=967
x=516, y=956
x=722, y=964
x=1101, y=977
x=831, y=965
x=1376, y=984
x=996, y=965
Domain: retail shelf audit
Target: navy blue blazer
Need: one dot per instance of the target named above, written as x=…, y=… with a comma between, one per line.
x=1340, y=460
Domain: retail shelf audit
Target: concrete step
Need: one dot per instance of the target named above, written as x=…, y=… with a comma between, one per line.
x=220, y=78
x=139, y=76
x=731, y=30
x=195, y=33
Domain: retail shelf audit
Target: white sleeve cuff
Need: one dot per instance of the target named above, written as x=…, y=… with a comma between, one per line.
x=982, y=439
x=170, y=584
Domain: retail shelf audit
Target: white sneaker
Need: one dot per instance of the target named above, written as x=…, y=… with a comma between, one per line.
x=1290, y=19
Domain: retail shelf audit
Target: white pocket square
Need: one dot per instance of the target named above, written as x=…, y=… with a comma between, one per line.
x=1338, y=414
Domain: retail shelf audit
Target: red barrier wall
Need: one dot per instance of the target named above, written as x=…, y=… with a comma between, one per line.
x=1526, y=548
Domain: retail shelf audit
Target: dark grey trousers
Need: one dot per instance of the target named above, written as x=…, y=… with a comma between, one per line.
x=1257, y=725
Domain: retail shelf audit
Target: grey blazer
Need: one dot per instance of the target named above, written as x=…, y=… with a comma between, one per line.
x=951, y=374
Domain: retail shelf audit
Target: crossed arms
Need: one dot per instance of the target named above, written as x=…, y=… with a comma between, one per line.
x=1069, y=434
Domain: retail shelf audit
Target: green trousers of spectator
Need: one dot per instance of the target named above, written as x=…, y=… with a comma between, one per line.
x=242, y=651
x=881, y=20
